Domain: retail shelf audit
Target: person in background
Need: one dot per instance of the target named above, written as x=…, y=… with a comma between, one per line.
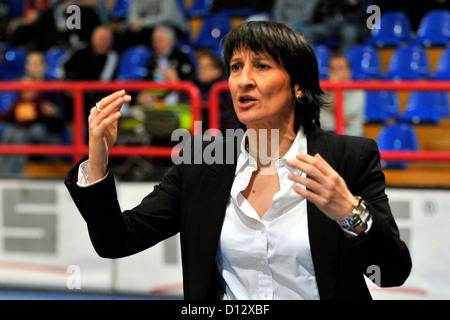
x=211, y=70
x=35, y=69
x=30, y=120
x=167, y=63
x=341, y=22
x=302, y=214
x=296, y=13
x=97, y=61
x=146, y=15
x=44, y=24
x=339, y=69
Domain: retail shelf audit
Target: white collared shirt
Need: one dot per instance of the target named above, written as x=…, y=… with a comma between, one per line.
x=268, y=257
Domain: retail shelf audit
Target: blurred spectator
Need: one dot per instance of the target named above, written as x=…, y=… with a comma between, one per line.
x=342, y=21
x=168, y=62
x=91, y=12
x=354, y=100
x=97, y=61
x=30, y=120
x=296, y=13
x=144, y=16
x=211, y=70
x=22, y=31
x=44, y=24
x=35, y=68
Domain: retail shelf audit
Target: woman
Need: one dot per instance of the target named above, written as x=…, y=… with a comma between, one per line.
x=250, y=229
x=211, y=70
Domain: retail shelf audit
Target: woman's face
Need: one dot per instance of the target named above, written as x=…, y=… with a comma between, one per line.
x=261, y=90
x=207, y=72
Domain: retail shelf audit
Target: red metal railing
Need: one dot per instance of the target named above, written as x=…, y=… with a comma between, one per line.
x=340, y=87
x=79, y=148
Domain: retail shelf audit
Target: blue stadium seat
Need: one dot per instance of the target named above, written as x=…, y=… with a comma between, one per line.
x=6, y=99
x=408, y=63
x=238, y=12
x=133, y=63
x=16, y=8
x=323, y=54
x=12, y=66
x=120, y=9
x=199, y=8
x=397, y=137
x=54, y=57
x=434, y=29
x=381, y=106
x=425, y=107
x=365, y=62
x=395, y=29
x=443, y=66
x=214, y=28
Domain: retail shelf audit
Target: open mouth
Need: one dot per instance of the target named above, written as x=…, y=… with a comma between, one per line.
x=246, y=99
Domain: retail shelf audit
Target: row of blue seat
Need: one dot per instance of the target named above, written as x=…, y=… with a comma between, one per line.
x=408, y=62
x=395, y=28
x=422, y=107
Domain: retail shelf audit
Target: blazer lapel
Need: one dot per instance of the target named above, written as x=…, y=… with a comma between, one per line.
x=323, y=234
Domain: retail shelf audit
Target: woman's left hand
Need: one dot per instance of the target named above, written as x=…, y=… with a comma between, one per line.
x=324, y=186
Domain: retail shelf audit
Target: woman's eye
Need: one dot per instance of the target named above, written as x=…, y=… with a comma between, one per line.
x=235, y=67
x=263, y=66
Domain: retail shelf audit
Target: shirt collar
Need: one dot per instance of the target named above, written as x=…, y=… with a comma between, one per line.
x=248, y=160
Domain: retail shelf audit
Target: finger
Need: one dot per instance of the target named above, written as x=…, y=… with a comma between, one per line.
x=104, y=102
x=113, y=107
x=310, y=196
x=309, y=184
x=325, y=165
x=103, y=126
x=310, y=170
x=317, y=161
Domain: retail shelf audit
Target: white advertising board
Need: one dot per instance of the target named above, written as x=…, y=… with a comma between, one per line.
x=44, y=244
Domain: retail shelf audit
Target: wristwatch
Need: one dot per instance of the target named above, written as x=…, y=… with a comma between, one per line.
x=360, y=215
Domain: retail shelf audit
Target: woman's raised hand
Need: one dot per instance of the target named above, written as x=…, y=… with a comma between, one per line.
x=103, y=132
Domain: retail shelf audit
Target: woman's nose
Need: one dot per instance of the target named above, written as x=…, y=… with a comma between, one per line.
x=246, y=78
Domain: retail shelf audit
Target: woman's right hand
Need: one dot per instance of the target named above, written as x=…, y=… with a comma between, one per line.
x=103, y=132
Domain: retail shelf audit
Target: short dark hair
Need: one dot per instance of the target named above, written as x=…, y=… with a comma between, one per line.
x=291, y=50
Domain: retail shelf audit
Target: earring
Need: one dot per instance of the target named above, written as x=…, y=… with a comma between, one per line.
x=297, y=97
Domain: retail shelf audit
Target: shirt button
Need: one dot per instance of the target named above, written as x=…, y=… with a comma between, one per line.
x=276, y=204
x=266, y=294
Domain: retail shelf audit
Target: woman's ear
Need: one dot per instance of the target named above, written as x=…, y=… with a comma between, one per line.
x=298, y=92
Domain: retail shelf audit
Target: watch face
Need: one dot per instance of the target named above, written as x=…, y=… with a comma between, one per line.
x=351, y=222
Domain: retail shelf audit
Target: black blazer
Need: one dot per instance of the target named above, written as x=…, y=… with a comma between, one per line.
x=191, y=199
